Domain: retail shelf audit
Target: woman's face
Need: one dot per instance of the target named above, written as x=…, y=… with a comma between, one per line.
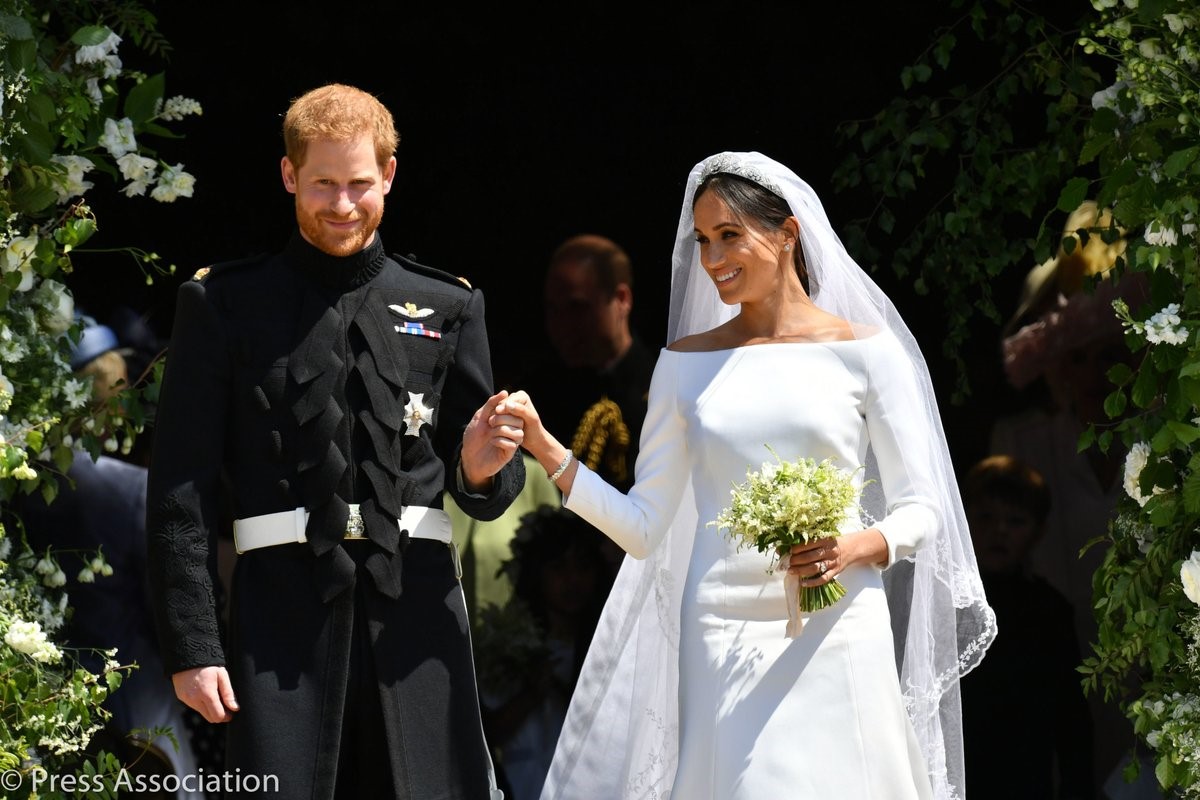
x=747, y=264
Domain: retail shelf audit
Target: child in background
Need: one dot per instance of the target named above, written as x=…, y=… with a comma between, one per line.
x=529, y=652
x=1026, y=725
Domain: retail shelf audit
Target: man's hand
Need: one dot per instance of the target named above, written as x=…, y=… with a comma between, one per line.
x=489, y=442
x=208, y=691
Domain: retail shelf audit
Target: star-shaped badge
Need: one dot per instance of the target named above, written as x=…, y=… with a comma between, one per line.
x=416, y=413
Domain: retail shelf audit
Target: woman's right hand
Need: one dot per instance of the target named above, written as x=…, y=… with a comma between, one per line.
x=520, y=404
x=538, y=441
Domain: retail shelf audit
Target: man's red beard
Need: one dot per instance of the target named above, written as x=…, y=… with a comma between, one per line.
x=329, y=241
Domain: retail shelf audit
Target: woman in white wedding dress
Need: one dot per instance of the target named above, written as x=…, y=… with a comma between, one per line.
x=704, y=682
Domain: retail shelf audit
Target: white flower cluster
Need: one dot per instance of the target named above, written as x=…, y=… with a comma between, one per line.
x=1135, y=461
x=1165, y=327
x=51, y=572
x=105, y=52
x=1160, y=235
x=30, y=639
x=32, y=329
x=1132, y=526
x=1177, y=719
x=119, y=140
x=176, y=108
x=13, y=90
x=97, y=566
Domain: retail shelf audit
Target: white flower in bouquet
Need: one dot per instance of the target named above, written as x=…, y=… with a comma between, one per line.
x=788, y=503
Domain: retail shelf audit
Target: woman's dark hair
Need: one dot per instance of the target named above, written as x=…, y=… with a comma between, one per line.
x=751, y=202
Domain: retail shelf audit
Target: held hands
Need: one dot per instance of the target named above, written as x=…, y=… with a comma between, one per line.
x=489, y=442
x=208, y=691
x=538, y=441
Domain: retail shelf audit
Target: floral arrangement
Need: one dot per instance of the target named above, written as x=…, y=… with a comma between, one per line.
x=68, y=111
x=786, y=503
x=1119, y=96
x=71, y=114
x=1142, y=136
x=49, y=705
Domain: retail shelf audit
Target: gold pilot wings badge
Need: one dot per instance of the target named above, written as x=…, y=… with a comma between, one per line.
x=410, y=311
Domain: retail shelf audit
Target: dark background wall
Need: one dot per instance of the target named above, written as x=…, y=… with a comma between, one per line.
x=519, y=129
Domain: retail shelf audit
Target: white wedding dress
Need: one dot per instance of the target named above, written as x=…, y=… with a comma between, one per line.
x=762, y=715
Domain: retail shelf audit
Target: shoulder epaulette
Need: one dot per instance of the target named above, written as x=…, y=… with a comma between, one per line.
x=411, y=263
x=226, y=266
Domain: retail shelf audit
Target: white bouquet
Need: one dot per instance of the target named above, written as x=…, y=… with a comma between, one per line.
x=786, y=503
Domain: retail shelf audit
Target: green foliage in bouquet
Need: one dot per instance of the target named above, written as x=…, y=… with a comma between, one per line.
x=786, y=503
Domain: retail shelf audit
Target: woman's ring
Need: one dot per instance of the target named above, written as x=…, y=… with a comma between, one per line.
x=821, y=567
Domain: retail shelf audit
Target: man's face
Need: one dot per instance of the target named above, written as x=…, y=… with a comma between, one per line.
x=585, y=326
x=339, y=193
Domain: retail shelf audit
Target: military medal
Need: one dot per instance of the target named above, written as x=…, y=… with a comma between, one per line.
x=418, y=329
x=416, y=413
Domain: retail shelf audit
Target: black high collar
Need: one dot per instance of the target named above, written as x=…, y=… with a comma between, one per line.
x=338, y=272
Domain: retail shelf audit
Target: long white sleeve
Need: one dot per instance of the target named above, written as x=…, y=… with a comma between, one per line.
x=901, y=443
x=638, y=521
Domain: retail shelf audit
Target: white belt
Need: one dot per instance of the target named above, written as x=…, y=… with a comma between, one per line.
x=287, y=527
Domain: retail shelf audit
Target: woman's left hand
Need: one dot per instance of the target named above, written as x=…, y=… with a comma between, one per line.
x=817, y=562
x=822, y=560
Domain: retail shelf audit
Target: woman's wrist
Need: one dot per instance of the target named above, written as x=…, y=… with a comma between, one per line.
x=561, y=467
x=870, y=546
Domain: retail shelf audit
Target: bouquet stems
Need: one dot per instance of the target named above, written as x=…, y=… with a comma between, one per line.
x=814, y=598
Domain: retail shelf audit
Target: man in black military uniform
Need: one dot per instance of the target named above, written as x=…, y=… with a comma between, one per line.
x=334, y=392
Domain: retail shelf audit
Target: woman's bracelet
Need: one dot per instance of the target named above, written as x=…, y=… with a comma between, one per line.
x=562, y=467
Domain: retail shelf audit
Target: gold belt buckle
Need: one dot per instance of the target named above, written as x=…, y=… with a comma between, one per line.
x=354, y=525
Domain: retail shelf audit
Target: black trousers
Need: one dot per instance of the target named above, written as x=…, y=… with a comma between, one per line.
x=363, y=769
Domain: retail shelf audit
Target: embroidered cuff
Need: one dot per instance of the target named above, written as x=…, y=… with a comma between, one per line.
x=462, y=484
